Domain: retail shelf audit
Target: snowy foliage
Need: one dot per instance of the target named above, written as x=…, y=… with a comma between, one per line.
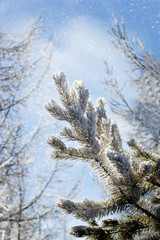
x=24, y=182
x=144, y=75
x=130, y=178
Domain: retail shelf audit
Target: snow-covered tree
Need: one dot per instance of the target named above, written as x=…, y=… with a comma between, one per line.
x=27, y=206
x=143, y=112
x=132, y=179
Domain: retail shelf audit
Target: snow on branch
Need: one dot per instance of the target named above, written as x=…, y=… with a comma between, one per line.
x=100, y=145
x=96, y=135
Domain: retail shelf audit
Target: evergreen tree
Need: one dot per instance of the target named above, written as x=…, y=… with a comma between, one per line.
x=132, y=179
x=143, y=113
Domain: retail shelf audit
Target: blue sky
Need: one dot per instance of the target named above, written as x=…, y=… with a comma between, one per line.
x=81, y=29
x=139, y=15
x=81, y=39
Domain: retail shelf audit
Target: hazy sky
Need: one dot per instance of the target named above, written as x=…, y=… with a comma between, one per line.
x=80, y=29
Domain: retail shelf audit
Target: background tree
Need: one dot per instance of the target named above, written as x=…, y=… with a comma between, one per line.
x=26, y=203
x=143, y=112
x=132, y=179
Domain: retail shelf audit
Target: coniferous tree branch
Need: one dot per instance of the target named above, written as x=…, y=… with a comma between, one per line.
x=129, y=177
